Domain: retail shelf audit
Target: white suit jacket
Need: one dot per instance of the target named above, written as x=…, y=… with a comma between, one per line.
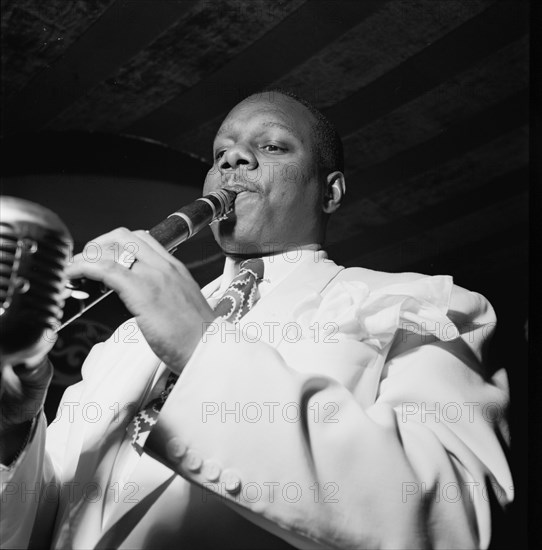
x=348, y=409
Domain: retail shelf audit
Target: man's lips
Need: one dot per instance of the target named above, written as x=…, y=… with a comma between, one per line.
x=237, y=188
x=233, y=182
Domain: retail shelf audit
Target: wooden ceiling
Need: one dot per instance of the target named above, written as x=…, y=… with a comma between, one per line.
x=430, y=96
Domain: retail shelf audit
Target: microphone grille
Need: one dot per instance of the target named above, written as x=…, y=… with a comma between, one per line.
x=34, y=248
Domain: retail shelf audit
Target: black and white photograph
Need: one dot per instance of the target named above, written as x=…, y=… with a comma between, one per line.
x=265, y=274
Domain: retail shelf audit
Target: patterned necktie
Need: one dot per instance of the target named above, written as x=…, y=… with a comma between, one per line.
x=239, y=298
x=241, y=295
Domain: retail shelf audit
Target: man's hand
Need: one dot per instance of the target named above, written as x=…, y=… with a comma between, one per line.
x=22, y=395
x=23, y=392
x=158, y=290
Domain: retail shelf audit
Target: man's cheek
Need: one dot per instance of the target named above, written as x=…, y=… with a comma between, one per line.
x=212, y=181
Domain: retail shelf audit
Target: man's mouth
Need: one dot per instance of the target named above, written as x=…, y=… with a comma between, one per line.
x=237, y=186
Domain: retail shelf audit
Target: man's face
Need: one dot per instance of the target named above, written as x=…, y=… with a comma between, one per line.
x=265, y=149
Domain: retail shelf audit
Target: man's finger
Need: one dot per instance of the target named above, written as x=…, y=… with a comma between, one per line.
x=118, y=243
x=152, y=242
x=121, y=246
x=107, y=271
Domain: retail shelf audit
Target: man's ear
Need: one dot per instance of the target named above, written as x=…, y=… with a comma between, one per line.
x=335, y=191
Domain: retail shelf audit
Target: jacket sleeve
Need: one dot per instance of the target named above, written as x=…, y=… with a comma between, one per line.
x=21, y=488
x=381, y=430
x=30, y=487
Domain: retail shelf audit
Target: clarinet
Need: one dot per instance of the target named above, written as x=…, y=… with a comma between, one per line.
x=175, y=229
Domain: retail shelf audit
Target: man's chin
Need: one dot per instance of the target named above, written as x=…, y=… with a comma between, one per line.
x=240, y=247
x=235, y=242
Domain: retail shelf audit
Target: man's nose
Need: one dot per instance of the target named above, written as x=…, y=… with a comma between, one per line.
x=237, y=156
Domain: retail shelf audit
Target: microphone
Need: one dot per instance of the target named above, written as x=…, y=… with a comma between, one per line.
x=175, y=229
x=34, y=250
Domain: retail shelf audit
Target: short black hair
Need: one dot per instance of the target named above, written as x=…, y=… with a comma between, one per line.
x=329, y=146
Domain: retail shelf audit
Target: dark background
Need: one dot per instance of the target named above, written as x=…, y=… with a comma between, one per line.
x=109, y=108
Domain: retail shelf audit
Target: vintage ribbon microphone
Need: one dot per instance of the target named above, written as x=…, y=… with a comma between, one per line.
x=35, y=247
x=34, y=250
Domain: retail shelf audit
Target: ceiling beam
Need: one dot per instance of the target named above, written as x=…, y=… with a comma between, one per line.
x=503, y=22
x=458, y=139
x=120, y=33
x=267, y=60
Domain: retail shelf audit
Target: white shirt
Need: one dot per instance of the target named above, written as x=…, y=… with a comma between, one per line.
x=276, y=268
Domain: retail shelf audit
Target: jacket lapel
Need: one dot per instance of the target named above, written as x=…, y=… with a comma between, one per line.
x=308, y=279
x=106, y=405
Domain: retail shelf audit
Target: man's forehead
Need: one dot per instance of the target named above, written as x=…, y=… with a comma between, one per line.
x=276, y=112
x=229, y=127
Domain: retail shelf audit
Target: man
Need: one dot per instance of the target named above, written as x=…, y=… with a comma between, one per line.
x=347, y=409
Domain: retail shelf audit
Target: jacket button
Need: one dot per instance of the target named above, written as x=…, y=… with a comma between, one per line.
x=192, y=461
x=232, y=482
x=211, y=470
x=175, y=448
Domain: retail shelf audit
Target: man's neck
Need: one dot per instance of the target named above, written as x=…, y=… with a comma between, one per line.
x=271, y=250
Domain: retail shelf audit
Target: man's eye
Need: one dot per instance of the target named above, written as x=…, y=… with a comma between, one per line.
x=272, y=148
x=219, y=154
